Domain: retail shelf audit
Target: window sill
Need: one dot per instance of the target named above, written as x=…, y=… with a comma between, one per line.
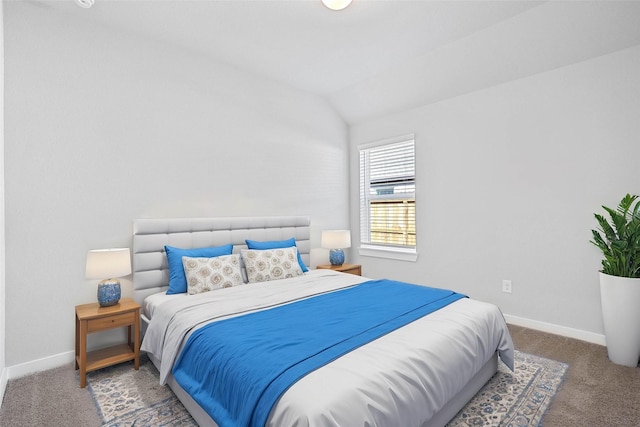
x=389, y=253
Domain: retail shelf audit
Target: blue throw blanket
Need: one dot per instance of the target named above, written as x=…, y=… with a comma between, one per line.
x=237, y=369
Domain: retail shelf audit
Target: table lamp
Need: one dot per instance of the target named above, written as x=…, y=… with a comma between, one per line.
x=108, y=265
x=336, y=241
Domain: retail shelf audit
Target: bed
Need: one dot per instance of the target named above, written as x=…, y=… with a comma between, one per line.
x=420, y=374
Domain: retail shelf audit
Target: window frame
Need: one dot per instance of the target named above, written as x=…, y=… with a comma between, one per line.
x=400, y=252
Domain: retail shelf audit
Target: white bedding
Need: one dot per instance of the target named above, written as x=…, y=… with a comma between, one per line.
x=402, y=378
x=154, y=300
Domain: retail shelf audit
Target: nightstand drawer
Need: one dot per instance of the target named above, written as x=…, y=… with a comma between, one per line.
x=109, y=322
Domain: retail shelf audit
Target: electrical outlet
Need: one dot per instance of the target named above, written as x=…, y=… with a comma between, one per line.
x=506, y=286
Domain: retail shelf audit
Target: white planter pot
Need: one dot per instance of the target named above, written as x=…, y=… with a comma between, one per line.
x=620, y=298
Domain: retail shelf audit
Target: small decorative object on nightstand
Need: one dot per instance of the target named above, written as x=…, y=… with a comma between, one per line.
x=92, y=318
x=345, y=268
x=336, y=241
x=108, y=264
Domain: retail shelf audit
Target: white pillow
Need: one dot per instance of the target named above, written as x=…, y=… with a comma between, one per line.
x=271, y=264
x=208, y=274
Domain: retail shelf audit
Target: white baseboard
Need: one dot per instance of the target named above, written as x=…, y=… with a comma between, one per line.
x=3, y=384
x=38, y=365
x=556, y=329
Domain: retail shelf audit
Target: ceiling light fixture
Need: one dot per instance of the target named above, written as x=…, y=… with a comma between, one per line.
x=336, y=4
x=85, y=3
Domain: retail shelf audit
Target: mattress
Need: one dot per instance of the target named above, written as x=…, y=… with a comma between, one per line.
x=402, y=378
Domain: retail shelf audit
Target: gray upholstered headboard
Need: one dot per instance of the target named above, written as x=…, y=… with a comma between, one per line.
x=150, y=269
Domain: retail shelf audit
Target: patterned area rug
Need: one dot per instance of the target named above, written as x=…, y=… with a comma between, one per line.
x=126, y=397
x=514, y=399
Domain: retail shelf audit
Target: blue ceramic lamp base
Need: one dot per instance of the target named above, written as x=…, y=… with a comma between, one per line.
x=108, y=292
x=336, y=256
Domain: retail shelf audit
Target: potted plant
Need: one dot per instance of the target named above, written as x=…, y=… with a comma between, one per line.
x=619, y=240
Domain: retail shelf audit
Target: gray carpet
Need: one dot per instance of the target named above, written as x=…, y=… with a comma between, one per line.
x=595, y=391
x=48, y=399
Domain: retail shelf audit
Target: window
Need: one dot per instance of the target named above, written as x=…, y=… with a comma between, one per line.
x=387, y=198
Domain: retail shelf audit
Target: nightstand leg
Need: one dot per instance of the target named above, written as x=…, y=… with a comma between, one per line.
x=136, y=341
x=83, y=353
x=77, y=343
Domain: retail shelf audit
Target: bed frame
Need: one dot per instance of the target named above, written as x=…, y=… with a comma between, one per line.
x=151, y=275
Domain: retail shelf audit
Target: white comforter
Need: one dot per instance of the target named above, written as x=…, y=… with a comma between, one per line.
x=402, y=378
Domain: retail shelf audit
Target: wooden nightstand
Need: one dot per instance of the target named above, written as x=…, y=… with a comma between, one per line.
x=345, y=268
x=92, y=318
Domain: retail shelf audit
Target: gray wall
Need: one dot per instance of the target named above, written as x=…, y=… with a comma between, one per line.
x=508, y=179
x=103, y=127
x=3, y=375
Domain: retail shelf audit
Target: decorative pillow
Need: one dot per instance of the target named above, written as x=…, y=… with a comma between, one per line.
x=177, y=280
x=276, y=244
x=271, y=264
x=209, y=274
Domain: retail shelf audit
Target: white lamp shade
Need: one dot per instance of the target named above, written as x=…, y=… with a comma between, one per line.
x=108, y=263
x=336, y=4
x=336, y=239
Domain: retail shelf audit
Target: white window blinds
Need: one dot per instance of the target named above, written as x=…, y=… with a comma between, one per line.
x=387, y=193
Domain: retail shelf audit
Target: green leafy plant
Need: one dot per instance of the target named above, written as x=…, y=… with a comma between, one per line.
x=619, y=238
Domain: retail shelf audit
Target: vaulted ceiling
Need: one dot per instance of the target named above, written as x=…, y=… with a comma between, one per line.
x=380, y=56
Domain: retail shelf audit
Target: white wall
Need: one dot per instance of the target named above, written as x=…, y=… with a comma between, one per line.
x=3, y=371
x=103, y=127
x=508, y=180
